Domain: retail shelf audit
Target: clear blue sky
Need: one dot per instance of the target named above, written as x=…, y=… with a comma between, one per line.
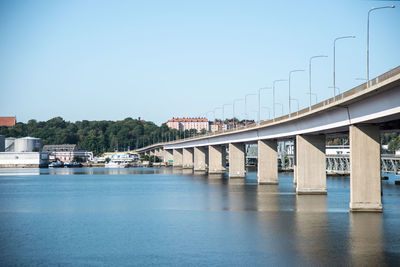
x=156, y=60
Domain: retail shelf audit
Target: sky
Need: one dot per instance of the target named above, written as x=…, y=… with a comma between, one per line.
x=109, y=60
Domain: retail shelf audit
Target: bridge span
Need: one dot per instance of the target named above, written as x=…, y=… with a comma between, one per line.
x=362, y=113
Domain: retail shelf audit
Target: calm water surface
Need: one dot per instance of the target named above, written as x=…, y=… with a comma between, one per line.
x=166, y=217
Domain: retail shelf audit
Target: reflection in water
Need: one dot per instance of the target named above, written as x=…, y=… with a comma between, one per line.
x=366, y=239
x=169, y=216
x=216, y=175
x=311, y=228
x=187, y=171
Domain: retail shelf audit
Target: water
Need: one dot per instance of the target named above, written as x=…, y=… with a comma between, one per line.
x=117, y=217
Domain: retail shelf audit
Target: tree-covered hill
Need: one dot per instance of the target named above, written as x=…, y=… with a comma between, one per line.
x=96, y=136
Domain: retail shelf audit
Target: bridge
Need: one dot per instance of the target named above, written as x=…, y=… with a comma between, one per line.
x=362, y=113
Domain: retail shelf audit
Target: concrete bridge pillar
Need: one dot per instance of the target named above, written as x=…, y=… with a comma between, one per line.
x=200, y=159
x=168, y=155
x=216, y=159
x=237, y=160
x=294, y=162
x=178, y=157
x=188, y=158
x=365, y=168
x=311, y=165
x=267, y=169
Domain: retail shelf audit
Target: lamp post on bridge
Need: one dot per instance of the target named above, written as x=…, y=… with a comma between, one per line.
x=215, y=117
x=233, y=107
x=309, y=70
x=336, y=88
x=223, y=114
x=273, y=95
x=269, y=111
x=290, y=73
x=369, y=12
x=259, y=101
x=277, y=103
x=334, y=61
x=245, y=107
x=316, y=97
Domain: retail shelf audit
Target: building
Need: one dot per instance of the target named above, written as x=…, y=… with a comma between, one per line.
x=67, y=152
x=2, y=143
x=7, y=121
x=24, y=144
x=22, y=153
x=215, y=126
x=24, y=159
x=188, y=124
x=122, y=156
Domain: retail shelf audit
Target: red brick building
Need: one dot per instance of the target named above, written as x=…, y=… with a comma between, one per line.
x=7, y=121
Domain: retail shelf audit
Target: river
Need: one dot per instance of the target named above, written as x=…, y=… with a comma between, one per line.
x=162, y=216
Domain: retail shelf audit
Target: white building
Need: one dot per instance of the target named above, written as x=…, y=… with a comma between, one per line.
x=188, y=124
x=24, y=159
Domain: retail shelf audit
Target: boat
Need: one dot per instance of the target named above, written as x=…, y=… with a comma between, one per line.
x=56, y=164
x=72, y=164
x=116, y=164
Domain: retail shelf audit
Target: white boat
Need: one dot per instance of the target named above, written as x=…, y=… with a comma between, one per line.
x=116, y=164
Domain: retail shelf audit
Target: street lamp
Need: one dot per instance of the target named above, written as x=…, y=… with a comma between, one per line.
x=233, y=107
x=215, y=117
x=223, y=114
x=316, y=97
x=336, y=88
x=269, y=111
x=273, y=95
x=334, y=59
x=259, y=101
x=277, y=103
x=295, y=99
x=290, y=73
x=309, y=70
x=372, y=9
x=245, y=106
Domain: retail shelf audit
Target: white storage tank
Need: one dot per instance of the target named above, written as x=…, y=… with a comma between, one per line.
x=28, y=144
x=9, y=144
x=2, y=143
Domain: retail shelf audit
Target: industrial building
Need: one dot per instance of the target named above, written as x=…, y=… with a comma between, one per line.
x=22, y=153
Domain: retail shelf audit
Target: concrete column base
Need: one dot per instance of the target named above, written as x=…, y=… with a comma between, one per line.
x=187, y=158
x=311, y=165
x=311, y=191
x=200, y=159
x=268, y=182
x=294, y=163
x=237, y=157
x=177, y=155
x=365, y=207
x=168, y=156
x=365, y=168
x=216, y=159
x=267, y=168
x=217, y=171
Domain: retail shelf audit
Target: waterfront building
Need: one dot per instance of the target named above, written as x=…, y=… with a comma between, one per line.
x=67, y=152
x=2, y=143
x=188, y=124
x=24, y=159
x=121, y=156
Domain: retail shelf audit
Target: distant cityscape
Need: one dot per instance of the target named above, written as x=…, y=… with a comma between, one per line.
x=203, y=124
